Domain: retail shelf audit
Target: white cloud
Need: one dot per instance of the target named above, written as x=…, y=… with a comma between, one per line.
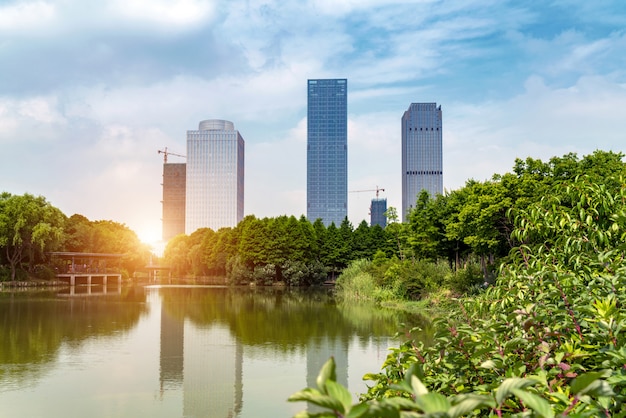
x=484, y=139
x=22, y=16
x=170, y=13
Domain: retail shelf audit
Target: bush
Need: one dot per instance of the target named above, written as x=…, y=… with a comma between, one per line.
x=465, y=279
x=43, y=272
x=297, y=273
x=237, y=272
x=355, y=282
x=264, y=275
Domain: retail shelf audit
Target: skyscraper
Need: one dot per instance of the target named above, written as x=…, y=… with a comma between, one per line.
x=422, y=153
x=174, y=196
x=215, y=176
x=377, y=212
x=327, y=150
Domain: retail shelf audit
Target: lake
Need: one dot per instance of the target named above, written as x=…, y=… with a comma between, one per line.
x=176, y=351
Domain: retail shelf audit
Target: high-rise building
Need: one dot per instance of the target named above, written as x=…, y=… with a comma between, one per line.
x=173, y=199
x=377, y=212
x=422, y=153
x=327, y=150
x=215, y=176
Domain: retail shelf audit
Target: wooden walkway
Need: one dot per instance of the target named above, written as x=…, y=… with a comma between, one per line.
x=90, y=278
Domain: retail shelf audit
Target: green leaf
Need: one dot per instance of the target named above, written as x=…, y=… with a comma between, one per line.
x=418, y=387
x=337, y=391
x=590, y=384
x=489, y=364
x=433, y=402
x=326, y=373
x=464, y=404
x=504, y=390
x=357, y=411
x=535, y=402
x=315, y=397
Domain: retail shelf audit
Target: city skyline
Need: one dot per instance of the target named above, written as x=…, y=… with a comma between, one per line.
x=89, y=91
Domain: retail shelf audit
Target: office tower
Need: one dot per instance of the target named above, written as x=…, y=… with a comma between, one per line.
x=173, y=199
x=215, y=175
x=327, y=150
x=422, y=155
x=377, y=212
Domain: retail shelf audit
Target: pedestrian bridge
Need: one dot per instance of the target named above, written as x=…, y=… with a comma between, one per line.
x=87, y=268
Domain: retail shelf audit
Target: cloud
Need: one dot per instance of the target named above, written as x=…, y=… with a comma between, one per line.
x=25, y=16
x=179, y=14
x=541, y=122
x=91, y=90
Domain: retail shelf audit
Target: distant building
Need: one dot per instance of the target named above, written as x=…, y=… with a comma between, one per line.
x=173, y=199
x=327, y=150
x=377, y=212
x=215, y=176
x=422, y=153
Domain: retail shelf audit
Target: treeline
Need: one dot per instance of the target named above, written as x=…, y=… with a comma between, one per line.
x=31, y=228
x=269, y=250
x=455, y=240
x=546, y=339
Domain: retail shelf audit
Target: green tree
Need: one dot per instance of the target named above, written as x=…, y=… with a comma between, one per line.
x=176, y=255
x=29, y=226
x=424, y=235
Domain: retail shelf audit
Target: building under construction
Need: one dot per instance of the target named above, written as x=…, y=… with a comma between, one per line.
x=174, y=195
x=377, y=212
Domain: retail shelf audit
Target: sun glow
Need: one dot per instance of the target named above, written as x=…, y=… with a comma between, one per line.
x=151, y=235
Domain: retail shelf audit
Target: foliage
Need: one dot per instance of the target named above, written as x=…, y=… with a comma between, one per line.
x=355, y=282
x=545, y=340
x=29, y=226
x=273, y=250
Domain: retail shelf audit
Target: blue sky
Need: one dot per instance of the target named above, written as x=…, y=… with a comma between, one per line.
x=90, y=90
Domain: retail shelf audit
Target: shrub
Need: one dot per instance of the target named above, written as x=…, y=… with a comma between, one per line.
x=355, y=282
x=465, y=279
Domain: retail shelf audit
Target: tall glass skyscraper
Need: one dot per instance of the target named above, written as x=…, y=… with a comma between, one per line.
x=215, y=175
x=327, y=150
x=422, y=153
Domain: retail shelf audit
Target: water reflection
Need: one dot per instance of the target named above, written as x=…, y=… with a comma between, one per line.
x=199, y=326
x=180, y=351
x=32, y=333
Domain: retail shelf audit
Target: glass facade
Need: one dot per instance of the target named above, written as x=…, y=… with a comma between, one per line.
x=422, y=153
x=215, y=176
x=327, y=150
x=377, y=212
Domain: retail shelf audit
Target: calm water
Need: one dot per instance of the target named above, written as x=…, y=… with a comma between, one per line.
x=180, y=351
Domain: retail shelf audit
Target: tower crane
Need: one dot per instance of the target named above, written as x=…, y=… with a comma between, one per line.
x=165, y=153
x=377, y=190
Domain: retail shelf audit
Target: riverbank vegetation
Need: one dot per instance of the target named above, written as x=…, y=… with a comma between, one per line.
x=545, y=339
x=31, y=228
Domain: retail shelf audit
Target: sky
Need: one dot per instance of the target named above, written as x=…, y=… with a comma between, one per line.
x=90, y=90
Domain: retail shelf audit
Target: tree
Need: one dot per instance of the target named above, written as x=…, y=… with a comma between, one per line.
x=176, y=255
x=29, y=226
x=362, y=245
x=425, y=236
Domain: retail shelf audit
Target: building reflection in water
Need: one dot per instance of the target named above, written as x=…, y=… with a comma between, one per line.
x=188, y=359
x=203, y=335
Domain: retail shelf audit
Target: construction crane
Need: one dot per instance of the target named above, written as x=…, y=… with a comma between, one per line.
x=165, y=153
x=377, y=190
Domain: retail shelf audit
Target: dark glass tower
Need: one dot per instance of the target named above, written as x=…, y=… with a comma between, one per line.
x=327, y=150
x=377, y=212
